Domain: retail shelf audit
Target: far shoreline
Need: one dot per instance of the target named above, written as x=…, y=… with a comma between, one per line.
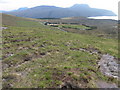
x=105, y=17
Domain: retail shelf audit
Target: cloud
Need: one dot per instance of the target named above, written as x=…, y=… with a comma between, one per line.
x=4, y=1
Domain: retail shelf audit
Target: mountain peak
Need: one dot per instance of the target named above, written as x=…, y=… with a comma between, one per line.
x=47, y=6
x=80, y=6
x=23, y=8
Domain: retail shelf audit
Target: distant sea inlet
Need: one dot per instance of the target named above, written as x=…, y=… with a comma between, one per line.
x=105, y=17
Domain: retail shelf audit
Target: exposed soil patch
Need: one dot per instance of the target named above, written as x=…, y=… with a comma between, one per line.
x=69, y=85
x=62, y=29
x=24, y=60
x=89, y=50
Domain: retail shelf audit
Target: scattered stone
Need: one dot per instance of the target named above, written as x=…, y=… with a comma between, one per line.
x=4, y=66
x=108, y=66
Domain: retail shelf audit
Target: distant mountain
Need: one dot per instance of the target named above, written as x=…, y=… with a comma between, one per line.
x=58, y=12
x=23, y=8
x=20, y=9
x=85, y=10
x=80, y=6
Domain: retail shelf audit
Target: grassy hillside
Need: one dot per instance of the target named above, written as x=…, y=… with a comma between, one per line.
x=18, y=21
x=41, y=56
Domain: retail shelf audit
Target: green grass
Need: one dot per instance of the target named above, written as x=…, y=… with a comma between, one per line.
x=42, y=56
x=73, y=26
x=19, y=21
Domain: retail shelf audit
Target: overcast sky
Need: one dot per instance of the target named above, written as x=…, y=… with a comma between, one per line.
x=102, y=4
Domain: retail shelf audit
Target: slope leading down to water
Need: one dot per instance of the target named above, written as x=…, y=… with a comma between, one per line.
x=39, y=56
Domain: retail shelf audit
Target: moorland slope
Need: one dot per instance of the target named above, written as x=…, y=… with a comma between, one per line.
x=39, y=56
